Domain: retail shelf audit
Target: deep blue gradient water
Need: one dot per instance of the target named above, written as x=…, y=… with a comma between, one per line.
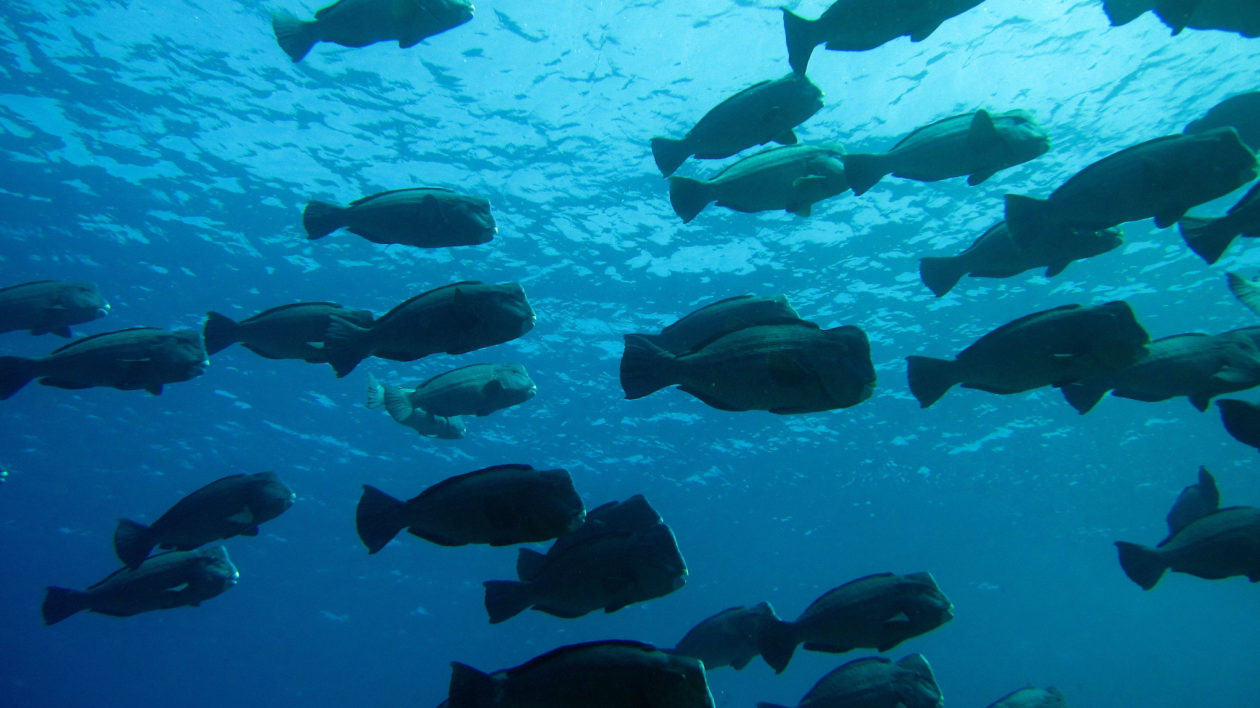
x=165, y=149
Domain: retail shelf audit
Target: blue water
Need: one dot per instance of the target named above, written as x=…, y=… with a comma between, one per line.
x=164, y=149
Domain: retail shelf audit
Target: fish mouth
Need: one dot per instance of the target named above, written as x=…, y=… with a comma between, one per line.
x=102, y=310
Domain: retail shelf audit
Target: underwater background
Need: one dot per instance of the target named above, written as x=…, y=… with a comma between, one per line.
x=164, y=150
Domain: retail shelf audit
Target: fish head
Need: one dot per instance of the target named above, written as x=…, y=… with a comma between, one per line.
x=451, y=428
x=474, y=214
x=451, y=13
x=1116, y=336
x=182, y=356
x=507, y=311
x=215, y=572
x=85, y=297
x=1232, y=161
x=514, y=383
x=1023, y=137
x=843, y=359
x=271, y=497
x=681, y=683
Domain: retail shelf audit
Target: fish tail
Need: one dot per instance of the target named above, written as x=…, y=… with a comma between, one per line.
x=669, y=154
x=15, y=372
x=219, y=332
x=347, y=344
x=1244, y=291
x=60, y=603
x=1207, y=237
x=1144, y=566
x=1122, y=12
x=398, y=404
x=321, y=218
x=863, y=170
x=378, y=518
x=506, y=599
x=132, y=543
x=644, y=367
x=688, y=196
x=777, y=642
x=1032, y=221
x=801, y=40
x=941, y=274
x=470, y=688
x=1084, y=395
x=375, y=393
x=929, y=378
x=294, y=36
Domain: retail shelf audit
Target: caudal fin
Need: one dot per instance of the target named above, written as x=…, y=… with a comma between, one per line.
x=1207, y=237
x=219, y=332
x=1144, y=566
x=15, y=372
x=777, y=642
x=378, y=518
x=1122, y=12
x=688, y=196
x=645, y=367
x=801, y=40
x=1246, y=291
x=941, y=274
x=1084, y=395
x=470, y=688
x=929, y=378
x=295, y=36
x=505, y=599
x=864, y=170
x=398, y=404
x=132, y=543
x=347, y=345
x=375, y=393
x=60, y=603
x=321, y=218
x=669, y=154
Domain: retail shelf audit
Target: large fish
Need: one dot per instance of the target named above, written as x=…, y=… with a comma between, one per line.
x=875, y=612
x=287, y=332
x=722, y=317
x=875, y=682
x=1222, y=544
x=358, y=23
x=604, y=674
x=1050, y=348
x=499, y=506
x=129, y=360
x=786, y=178
x=175, y=579
x=50, y=306
x=1195, y=502
x=1032, y=698
x=793, y=367
x=1210, y=237
x=858, y=25
x=232, y=506
x=996, y=255
x=419, y=420
x=1240, y=112
x=1241, y=420
x=1160, y=178
x=975, y=145
x=728, y=638
x=456, y=319
x=476, y=389
x=766, y=111
x=1241, y=16
x=426, y=217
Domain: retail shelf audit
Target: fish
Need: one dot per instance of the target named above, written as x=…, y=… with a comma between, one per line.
x=785, y=178
x=456, y=319
x=358, y=23
x=875, y=682
x=476, y=389
x=996, y=255
x=231, y=506
x=293, y=331
x=500, y=506
x=1210, y=237
x=1241, y=112
x=858, y=25
x=1198, y=366
x=162, y=582
x=786, y=368
x=1195, y=502
x=1223, y=544
x=129, y=360
x=618, y=517
x=50, y=306
x=1050, y=348
x=976, y=145
x=1228, y=15
x=1242, y=420
x=1246, y=291
x=1161, y=178
x=764, y=112
x=728, y=638
x=720, y=318
x=607, y=674
x=424, y=217
x=419, y=420
x=875, y=612
x=1032, y=698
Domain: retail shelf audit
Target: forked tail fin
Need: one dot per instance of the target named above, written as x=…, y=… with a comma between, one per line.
x=1143, y=565
x=929, y=378
x=321, y=218
x=1207, y=237
x=688, y=196
x=132, y=543
x=60, y=603
x=506, y=599
x=645, y=367
x=669, y=154
x=941, y=274
x=378, y=518
x=219, y=332
x=801, y=40
x=295, y=36
x=15, y=372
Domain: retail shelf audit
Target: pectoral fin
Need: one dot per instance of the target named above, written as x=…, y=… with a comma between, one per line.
x=244, y=517
x=1055, y=268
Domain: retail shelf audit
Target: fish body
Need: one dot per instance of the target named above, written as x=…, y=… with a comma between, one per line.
x=287, y=332
x=499, y=506
x=50, y=306
x=400, y=409
x=607, y=674
x=1161, y=178
x=477, y=389
x=232, y=506
x=358, y=23
x=764, y=112
x=1240, y=112
x=785, y=178
x=793, y=367
x=1220, y=545
x=1210, y=237
x=1227, y=15
x=175, y=579
x=728, y=638
x=875, y=612
x=425, y=217
x=722, y=317
x=996, y=255
x=1050, y=348
x=129, y=359
x=975, y=144
x=1195, y=502
x=455, y=319
x=875, y=682
x=1032, y=698
x=1242, y=420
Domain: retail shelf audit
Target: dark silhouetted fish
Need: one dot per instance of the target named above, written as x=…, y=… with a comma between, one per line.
x=1227, y=15
x=1242, y=420
x=129, y=360
x=1222, y=544
x=875, y=612
x=630, y=516
x=1032, y=698
x=358, y=23
x=500, y=506
x=1241, y=112
x=232, y=506
x=419, y=420
x=50, y=306
x=1050, y=348
x=875, y=682
x=766, y=111
x=975, y=145
x=287, y=332
x=1210, y=237
x=175, y=579
x=426, y=217
x=476, y=389
x=722, y=317
x=605, y=674
x=786, y=178
x=1195, y=502
x=728, y=638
